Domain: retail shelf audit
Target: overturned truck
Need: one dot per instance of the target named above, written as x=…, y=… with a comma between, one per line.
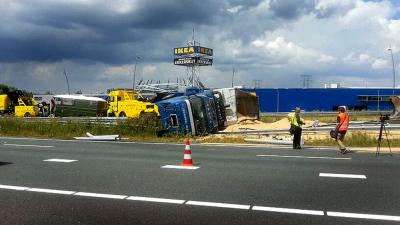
x=206, y=111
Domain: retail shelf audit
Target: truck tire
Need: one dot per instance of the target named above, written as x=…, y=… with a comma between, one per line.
x=122, y=114
x=27, y=114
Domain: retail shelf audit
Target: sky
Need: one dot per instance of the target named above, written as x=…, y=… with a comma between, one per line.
x=98, y=42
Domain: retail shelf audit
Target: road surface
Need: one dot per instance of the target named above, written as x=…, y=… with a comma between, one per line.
x=77, y=182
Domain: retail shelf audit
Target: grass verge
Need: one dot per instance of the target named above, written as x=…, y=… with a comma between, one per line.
x=134, y=130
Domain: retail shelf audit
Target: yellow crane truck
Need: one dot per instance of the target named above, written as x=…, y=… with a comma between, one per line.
x=128, y=103
x=21, y=106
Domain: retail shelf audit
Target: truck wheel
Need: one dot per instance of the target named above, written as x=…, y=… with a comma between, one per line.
x=27, y=115
x=122, y=114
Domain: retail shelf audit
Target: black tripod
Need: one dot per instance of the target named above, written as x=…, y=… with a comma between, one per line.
x=383, y=118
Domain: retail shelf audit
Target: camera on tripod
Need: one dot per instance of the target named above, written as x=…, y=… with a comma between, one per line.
x=383, y=118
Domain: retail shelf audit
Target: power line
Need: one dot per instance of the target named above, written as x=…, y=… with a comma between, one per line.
x=257, y=84
x=307, y=79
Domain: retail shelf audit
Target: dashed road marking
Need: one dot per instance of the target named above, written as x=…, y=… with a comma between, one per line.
x=36, y=146
x=60, y=160
x=220, y=205
x=51, y=191
x=98, y=195
x=288, y=210
x=304, y=157
x=10, y=187
x=162, y=200
x=209, y=204
x=180, y=167
x=354, y=176
x=364, y=216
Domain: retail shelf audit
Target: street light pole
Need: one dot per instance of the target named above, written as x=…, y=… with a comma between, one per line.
x=233, y=75
x=394, y=71
x=134, y=72
x=65, y=74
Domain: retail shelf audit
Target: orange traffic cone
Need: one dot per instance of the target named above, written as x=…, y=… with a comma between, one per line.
x=187, y=154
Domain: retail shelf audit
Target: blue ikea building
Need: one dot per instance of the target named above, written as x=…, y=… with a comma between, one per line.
x=324, y=99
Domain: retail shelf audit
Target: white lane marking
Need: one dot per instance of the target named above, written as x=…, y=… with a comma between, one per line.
x=10, y=187
x=180, y=167
x=36, y=146
x=303, y=157
x=162, y=200
x=287, y=210
x=363, y=216
x=211, y=204
x=354, y=176
x=52, y=191
x=220, y=205
x=60, y=160
x=98, y=195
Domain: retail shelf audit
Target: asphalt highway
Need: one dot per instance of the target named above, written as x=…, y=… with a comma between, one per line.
x=78, y=182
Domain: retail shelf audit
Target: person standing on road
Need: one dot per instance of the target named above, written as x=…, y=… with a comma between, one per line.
x=295, y=126
x=341, y=128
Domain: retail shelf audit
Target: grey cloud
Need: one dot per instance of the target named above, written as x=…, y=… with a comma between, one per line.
x=53, y=31
x=291, y=9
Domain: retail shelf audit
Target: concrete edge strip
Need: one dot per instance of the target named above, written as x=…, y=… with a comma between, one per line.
x=209, y=204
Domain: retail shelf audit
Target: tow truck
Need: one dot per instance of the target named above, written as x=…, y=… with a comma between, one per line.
x=129, y=103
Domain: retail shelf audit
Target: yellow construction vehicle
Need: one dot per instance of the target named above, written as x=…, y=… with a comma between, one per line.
x=4, y=104
x=128, y=103
x=27, y=107
x=14, y=102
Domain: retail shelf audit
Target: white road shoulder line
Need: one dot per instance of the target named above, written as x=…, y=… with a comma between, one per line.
x=364, y=216
x=220, y=205
x=180, y=167
x=10, y=187
x=303, y=157
x=354, y=176
x=287, y=210
x=162, y=200
x=60, y=160
x=97, y=195
x=52, y=191
x=36, y=146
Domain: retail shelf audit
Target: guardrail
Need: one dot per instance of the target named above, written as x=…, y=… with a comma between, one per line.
x=103, y=120
x=377, y=113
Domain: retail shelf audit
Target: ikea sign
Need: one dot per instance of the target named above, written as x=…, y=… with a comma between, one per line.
x=193, y=50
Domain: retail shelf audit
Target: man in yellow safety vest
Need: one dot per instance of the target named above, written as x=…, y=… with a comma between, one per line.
x=296, y=123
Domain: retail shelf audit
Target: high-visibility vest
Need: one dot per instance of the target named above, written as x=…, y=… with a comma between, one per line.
x=294, y=120
x=344, y=122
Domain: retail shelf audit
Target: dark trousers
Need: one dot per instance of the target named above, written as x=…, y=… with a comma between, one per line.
x=297, y=137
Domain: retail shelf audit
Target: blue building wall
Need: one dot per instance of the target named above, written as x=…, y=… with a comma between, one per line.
x=320, y=99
